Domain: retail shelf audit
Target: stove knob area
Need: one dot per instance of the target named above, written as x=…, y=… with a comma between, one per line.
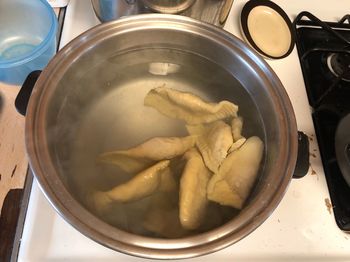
x=303, y=163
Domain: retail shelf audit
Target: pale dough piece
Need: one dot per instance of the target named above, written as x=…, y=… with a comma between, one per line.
x=193, y=190
x=162, y=217
x=188, y=107
x=237, y=174
x=237, y=125
x=142, y=156
x=213, y=141
x=237, y=144
x=220, y=191
x=238, y=139
x=167, y=182
x=142, y=185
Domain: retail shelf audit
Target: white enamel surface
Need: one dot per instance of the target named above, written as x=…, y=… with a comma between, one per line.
x=300, y=229
x=58, y=3
x=269, y=31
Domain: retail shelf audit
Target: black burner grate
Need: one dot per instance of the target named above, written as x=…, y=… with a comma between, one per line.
x=324, y=52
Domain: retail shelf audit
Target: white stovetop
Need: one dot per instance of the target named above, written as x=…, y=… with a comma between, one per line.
x=300, y=229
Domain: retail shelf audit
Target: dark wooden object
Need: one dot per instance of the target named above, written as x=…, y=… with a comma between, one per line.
x=8, y=222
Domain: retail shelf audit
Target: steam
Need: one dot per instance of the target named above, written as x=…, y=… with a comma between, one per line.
x=98, y=107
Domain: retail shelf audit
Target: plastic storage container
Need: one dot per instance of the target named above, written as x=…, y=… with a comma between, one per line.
x=27, y=38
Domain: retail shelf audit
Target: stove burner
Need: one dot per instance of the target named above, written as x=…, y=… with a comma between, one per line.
x=342, y=147
x=324, y=52
x=339, y=65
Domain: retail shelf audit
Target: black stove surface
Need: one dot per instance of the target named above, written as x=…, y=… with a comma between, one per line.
x=325, y=62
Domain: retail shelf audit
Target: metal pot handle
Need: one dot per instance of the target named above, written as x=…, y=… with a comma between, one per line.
x=303, y=163
x=23, y=95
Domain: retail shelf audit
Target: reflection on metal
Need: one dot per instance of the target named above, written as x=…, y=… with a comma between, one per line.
x=169, y=6
x=209, y=11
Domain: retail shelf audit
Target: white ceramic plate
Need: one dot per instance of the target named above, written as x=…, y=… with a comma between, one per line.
x=267, y=28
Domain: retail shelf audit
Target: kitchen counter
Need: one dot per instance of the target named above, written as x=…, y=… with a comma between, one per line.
x=13, y=164
x=13, y=160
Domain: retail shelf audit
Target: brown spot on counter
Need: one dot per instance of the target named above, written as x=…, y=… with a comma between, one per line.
x=313, y=172
x=328, y=205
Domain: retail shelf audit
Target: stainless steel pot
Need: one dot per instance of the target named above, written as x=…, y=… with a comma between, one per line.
x=89, y=98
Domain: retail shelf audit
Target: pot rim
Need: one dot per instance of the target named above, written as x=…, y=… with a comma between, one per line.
x=72, y=211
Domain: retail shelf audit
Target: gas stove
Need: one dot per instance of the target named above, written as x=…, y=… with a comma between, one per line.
x=324, y=51
x=302, y=227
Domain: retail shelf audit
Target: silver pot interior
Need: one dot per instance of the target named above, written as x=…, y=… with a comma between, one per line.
x=96, y=105
x=101, y=109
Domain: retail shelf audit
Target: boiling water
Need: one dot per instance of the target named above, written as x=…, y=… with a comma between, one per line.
x=105, y=112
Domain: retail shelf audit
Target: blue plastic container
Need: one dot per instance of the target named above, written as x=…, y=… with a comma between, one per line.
x=27, y=38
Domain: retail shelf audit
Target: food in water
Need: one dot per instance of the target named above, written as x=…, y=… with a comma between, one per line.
x=167, y=181
x=162, y=217
x=237, y=174
x=237, y=144
x=138, y=158
x=238, y=139
x=193, y=190
x=142, y=185
x=188, y=107
x=213, y=141
x=217, y=171
x=236, y=126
